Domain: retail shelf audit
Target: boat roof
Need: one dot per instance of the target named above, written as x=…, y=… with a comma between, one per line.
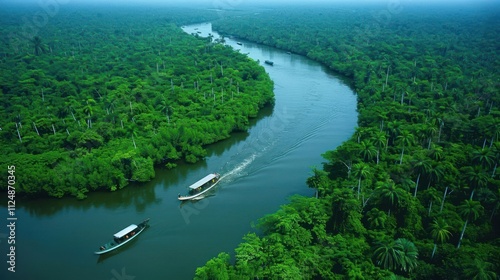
x=203, y=181
x=125, y=231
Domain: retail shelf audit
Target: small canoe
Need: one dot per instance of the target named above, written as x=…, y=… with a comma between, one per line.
x=123, y=237
x=269, y=62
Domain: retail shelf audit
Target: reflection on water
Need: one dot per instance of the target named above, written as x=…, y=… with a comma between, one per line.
x=135, y=195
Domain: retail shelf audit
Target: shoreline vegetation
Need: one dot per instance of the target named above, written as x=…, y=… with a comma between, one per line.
x=98, y=97
x=414, y=194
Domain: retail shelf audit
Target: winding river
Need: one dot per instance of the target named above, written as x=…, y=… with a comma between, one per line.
x=314, y=112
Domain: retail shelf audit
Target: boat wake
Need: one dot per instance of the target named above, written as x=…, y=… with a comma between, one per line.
x=238, y=171
x=311, y=133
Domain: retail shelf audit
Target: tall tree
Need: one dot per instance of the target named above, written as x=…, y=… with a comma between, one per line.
x=421, y=164
x=476, y=176
x=367, y=150
x=470, y=210
x=430, y=196
x=379, y=140
x=360, y=170
x=390, y=194
x=405, y=138
x=484, y=157
x=440, y=231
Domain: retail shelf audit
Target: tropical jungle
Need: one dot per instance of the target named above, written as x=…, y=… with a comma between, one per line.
x=87, y=106
x=414, y=194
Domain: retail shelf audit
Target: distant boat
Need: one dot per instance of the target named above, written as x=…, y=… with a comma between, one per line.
x=288, y=52
x=201, y=186
x=123, y=237
x=269, y=62
x=239, y=43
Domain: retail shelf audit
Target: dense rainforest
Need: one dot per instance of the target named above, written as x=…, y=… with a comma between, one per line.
x=414, y=194
x=94, y=99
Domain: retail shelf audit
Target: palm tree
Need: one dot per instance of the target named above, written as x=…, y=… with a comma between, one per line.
x=388, y=255
x=436, y=152
x=359, y=133
x=394, y=129
x=480, y=270
x=469, y=209
x=435, y=172
x=431, y=195
x=382, y=116
x=411, y=95
x=421, y=164
x=88, y=109
x=405, y=139
x=485, y=157
x=496, y=157
x=445, y=193
x=164, y=106
x=376, y=218
x=397, y=255
x=476, y=176
x=360, y=170
x=409, y=254
x=379, y=140
x=367, y=150
x=430, y=131
x=38, y=45
x=440, y=231
x=438, y=120
x=389, y=194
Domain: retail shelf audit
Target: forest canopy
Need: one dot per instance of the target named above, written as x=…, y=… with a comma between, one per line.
x=96, y=99
x=414, y=194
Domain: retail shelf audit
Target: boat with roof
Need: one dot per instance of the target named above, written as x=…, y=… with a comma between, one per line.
x=123, y=237
x=201, y=186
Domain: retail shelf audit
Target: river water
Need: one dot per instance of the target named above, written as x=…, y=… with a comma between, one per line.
x=314, y=112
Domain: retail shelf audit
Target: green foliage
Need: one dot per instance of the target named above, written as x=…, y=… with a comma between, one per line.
x=217, y=268
x=420, y=170
x=115, y=96
x=480, y=270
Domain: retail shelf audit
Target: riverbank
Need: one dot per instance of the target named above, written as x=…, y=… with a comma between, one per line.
x=408, y=179
x=94, y=110
x=313, y=110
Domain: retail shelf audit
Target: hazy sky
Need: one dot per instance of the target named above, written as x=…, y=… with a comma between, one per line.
x=236, y=3
x=48, y=5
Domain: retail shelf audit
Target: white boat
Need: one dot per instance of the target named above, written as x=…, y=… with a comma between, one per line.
x=123, y=237
x=201, y=186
